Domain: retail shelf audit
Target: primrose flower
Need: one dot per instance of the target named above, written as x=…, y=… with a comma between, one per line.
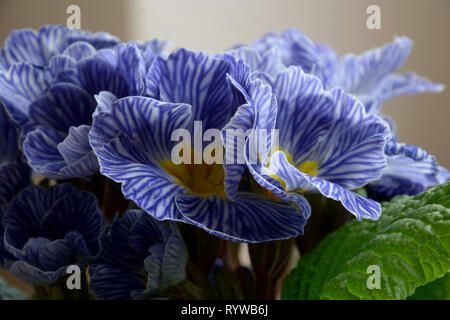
x=37, y=47
x=14, y=173
x=132, y=138
x=56, y=140
x=327, y=144
x=372, y=79
x=140, y=258
x=31, y=60
x=46, y=232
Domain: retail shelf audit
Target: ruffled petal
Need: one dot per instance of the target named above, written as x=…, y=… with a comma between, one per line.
x=63, y=106
x=35, y=47
x=268, y=62
x=115, y=247
x=78, y=212
x=79, y=50
x=410, y=170
x=23, y=219
x=250, y=218
x=352, y=152
x=305, y=111
x=9, y=133
x=41, y=149
x=13, y=178
x=20, y=86
x=34, y=275
x=196, y=79
x=148, y=122
x=148, y=186
x=361, y=74
x=111, y=283
x=361, y=207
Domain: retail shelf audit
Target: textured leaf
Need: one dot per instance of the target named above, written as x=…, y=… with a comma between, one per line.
x=436, y=290
x=410, y=243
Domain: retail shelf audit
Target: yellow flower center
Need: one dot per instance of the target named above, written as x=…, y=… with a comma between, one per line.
x=203, y=180
x=308, y=167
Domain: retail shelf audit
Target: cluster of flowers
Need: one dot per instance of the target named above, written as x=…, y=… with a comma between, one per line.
x=75, y=103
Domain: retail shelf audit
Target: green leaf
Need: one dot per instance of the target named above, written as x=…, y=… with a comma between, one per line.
x=410, y=243
x=437, y=290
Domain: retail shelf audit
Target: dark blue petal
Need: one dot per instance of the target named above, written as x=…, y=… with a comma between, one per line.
x=78, y=212
x=23, y=218
x=9, y=133
x=64, y=252
x=13, y=178
x=34, y=275
x=41, y=150
x=63, y=106
x=115, y=247
x=148, y=231
x=111, y=283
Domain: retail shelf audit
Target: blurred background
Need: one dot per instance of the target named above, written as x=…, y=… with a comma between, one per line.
x=215, y=25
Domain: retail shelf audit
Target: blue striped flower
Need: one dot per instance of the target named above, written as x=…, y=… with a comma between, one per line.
x=370, y=76
x=37, y=47
x=14, y=173
x=327, y=144
x=140, y=258
x=31, y=60
x=56, y=134
x=46, y=232
x=132, y=140
x=372, y=79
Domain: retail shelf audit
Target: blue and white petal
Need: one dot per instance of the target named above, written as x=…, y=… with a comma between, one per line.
x=129, y=142
x=21, y=85
x=63, y=106
x=361, y=74
x=79, y=50
x=361, y=207
x=269, y=63
x=352, y=153
x=410, y=83
x=249, y=218
x=196, y=79
x=410, y=170
x=35, y=47
x=305, y=111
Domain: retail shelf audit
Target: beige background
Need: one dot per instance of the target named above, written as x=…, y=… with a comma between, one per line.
x=214, y=25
